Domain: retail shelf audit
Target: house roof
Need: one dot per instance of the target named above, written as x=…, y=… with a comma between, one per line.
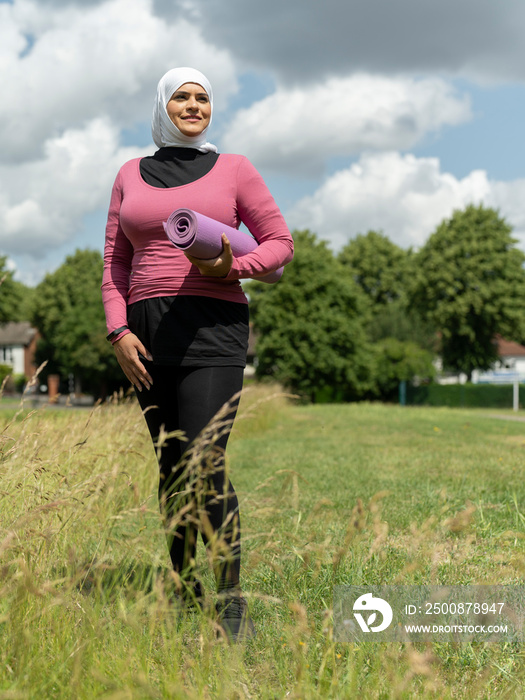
x=508, y=348
x=16, y=333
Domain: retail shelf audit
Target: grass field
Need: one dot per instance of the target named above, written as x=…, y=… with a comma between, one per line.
x=330, y=494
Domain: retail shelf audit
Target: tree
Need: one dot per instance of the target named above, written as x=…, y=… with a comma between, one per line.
x=400, y=321
x=398, y=361
x=69, y=314
x=469, y=282
x=15, y=297
x=378, y=266
x=383, y=271
x=311, y=325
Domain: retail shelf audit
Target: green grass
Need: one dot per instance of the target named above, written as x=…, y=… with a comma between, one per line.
x=332, y=494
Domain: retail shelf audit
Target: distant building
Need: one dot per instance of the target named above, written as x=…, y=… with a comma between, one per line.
x=509, y=368
x=17, y=347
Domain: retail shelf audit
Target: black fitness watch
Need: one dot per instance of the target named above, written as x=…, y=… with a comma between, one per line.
x=118, y=331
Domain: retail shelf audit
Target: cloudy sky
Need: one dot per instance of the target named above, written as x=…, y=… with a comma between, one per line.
x=360, y=114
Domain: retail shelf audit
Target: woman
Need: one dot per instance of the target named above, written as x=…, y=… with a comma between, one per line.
x=179, y=326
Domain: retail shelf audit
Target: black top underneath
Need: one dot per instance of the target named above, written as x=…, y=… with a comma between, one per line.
x=191, y=331
x=172, y=166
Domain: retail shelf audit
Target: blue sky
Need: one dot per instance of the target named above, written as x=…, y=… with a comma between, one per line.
x=359, y=115
x=492, y=140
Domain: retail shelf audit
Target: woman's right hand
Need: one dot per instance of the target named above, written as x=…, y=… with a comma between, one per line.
x=127, y=350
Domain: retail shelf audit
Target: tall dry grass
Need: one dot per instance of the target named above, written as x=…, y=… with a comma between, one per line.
x=329, y=495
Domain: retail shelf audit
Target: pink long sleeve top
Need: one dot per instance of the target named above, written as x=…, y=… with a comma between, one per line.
x=139, y=260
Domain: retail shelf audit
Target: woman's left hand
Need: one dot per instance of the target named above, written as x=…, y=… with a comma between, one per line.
x=215, y=267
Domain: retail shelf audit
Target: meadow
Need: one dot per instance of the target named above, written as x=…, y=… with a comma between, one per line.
x=330, y=494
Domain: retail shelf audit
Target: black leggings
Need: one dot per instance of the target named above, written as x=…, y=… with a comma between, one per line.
x=194, y=491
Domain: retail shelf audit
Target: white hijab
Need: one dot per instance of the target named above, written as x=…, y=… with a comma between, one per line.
x=163, y=130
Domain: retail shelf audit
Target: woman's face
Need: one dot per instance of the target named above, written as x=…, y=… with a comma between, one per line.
x=189, y=109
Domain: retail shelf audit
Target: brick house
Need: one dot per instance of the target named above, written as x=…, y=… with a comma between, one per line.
x=17, y=347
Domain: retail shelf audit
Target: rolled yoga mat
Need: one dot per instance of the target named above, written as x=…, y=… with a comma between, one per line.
x=201, y=237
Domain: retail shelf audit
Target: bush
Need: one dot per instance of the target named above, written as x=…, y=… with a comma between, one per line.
x=463, y=395
x=20, y=381
x=5, y=371
x=398, y=361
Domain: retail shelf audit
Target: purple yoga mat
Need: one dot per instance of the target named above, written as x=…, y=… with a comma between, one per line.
x=201, y=237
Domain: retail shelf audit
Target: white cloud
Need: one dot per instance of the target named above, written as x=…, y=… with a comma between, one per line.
x=404, y=196
x=62, y=68
x=75, y=74
x=307, y=39
x=296, y=130
x=42, y=203
x=73, y=77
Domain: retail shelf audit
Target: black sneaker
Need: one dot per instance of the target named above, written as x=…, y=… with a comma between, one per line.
x=235, y=619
